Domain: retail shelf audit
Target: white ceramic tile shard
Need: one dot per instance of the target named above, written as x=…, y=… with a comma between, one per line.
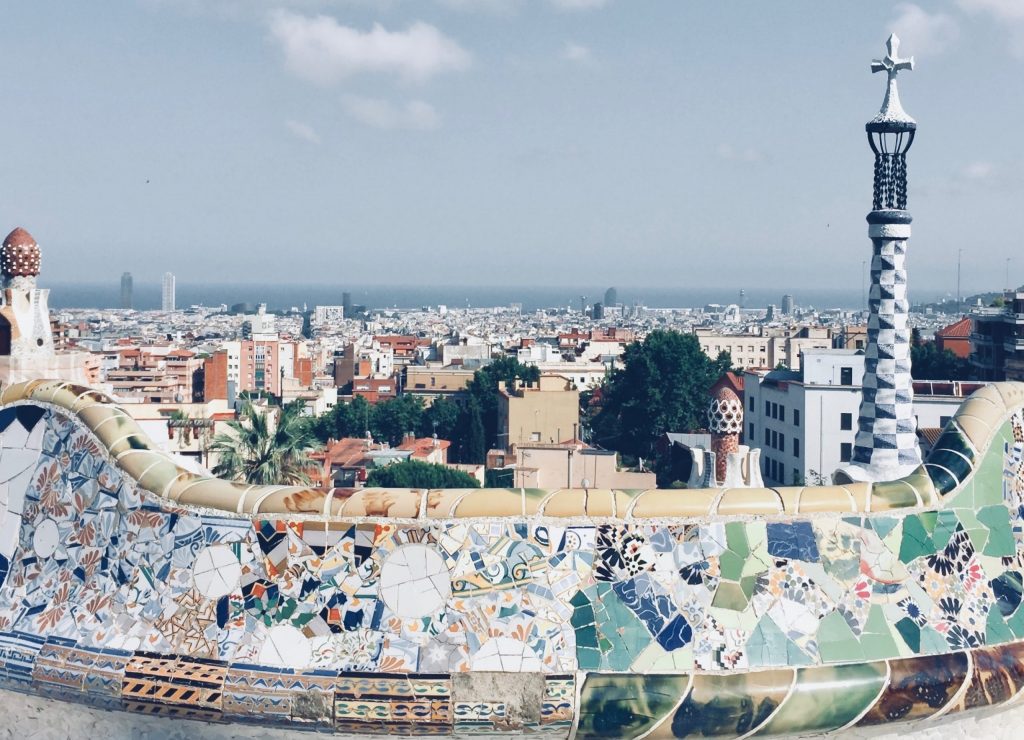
x=506, y=655
x=286, y=646
x=15, y=436
x=46, y=538
x=17, y=462
x=216, y=571
x=414, y=581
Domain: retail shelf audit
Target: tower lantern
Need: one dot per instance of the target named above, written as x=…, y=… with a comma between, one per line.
x=886, y=445
x=891, y=134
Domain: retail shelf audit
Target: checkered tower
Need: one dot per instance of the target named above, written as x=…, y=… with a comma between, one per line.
x=886, y=444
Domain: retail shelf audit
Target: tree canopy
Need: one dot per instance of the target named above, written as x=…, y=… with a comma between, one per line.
x=417, y=474
x=662, y=387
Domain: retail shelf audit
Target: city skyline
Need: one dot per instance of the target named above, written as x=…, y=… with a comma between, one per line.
x=609, y=142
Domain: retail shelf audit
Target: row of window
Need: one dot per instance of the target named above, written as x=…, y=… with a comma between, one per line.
x=776, y=411
x=774, y=470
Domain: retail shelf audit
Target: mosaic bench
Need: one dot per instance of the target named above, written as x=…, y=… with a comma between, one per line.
x=129, y=584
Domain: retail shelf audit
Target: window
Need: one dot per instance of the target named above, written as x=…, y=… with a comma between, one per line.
x=846, y=422
x=796, y=447
x=751, y=404
x=782, y=442
x=775, y=411
x=535, y=437
x=767, y=408
x=846, y=376
x=944, y=420
x=775, y=440
x=750, y=435
x=796, y=417
x=782, y=412
x=767, y=438
x=845, y=452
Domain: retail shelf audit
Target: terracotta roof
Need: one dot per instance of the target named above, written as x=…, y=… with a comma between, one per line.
x=19, y=238
x=930, y=434
x=957, y=330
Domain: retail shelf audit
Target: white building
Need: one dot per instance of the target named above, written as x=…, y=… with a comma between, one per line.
x=168, y=301
x=328, y=315
x=805, y=422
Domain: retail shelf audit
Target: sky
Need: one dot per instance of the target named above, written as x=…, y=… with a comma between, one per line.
x=494, y=142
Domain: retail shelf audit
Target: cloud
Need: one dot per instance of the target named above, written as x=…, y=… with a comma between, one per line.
x=1008, y=13
x=497, y=7
x=578, y=4
x=577, y=53
x=923, y=33
x=383, y=114
x=303, y=131
x=978, y=171
x=321, y=50
x=731, y=154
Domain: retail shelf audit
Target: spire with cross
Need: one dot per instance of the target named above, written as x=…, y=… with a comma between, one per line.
x=892, y=111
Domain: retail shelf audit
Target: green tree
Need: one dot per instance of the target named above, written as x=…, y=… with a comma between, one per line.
x=928, y=362
x=441, y=418
x=252, y=452
x=663, y=386
x=393, y=418
x=351, y=419
x=474, y=445
x=417, y=474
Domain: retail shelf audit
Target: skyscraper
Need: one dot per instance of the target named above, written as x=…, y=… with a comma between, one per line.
x=346, y=303
x=168, y=293
x=611, y=297
x=126, y=290
x=787, y=304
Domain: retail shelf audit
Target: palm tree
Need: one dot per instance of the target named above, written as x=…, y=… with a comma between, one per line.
x=251, y=453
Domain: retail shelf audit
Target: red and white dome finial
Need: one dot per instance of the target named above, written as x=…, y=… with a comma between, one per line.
x=20, y=255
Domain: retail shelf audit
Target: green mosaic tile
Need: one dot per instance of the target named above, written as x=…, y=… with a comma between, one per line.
x=944, y=528
x=893, y=495
x=768, y=646
x=878, y=641
x=932, y=642
x=827, y=698
x=910, y=632
x=916, y=541
x=626, y=706
x=954, y=439
x=883, y=525
x=836, y=641
x=958, y=465
x=1016, y=624
x=729, y=595
x=943, y=480
x=996, y=630
x=731, y=565
x=1000, y=542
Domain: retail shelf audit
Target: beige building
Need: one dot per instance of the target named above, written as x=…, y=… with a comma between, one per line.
x=766, y=347
x=432, y=382
x=547, y=412
x=573, y=466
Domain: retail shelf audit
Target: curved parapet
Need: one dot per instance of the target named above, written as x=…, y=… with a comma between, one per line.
x=131, y=584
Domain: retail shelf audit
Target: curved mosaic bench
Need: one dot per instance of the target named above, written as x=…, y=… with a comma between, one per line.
x=130, y=584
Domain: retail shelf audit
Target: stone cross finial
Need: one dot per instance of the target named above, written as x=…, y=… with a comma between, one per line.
x=892, y=62
x=892, y=112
